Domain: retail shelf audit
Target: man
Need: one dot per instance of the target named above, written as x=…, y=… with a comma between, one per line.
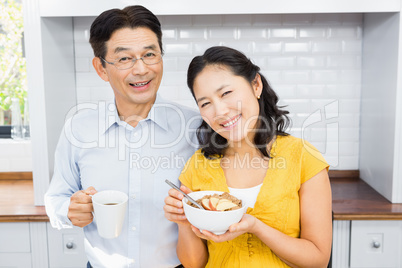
x=132, y=145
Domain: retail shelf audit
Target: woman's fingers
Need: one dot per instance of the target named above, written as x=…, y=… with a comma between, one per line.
x=185, y=189
x=173, y=202
x=173, y=209
x=175, y=194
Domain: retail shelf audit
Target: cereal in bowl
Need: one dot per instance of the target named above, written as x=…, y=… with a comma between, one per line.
x=216, y=202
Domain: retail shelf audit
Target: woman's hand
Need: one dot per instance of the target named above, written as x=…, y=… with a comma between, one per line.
x=174, y=206
x=246, y=225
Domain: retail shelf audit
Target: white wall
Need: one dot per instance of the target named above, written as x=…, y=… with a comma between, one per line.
x=313, y=62
x=15, y=156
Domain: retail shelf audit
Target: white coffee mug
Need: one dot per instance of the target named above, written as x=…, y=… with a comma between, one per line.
x=109, y=211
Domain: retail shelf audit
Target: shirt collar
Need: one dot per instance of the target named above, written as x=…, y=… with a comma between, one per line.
x=111, y=117
x=157, y=114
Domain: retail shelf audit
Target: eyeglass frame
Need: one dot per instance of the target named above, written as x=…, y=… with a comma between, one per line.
x=134, y=60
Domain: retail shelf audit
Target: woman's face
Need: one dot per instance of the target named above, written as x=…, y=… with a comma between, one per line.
x=228, y=103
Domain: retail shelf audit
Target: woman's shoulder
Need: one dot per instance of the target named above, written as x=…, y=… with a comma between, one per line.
x=292, y=144
x=297, y=148
x=199, y=169
x=288, y=141
x=199, y=160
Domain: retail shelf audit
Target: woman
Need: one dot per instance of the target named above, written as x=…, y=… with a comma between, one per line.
x=246, y=151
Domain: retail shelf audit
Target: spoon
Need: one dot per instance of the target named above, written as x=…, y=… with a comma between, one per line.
x=188, y=197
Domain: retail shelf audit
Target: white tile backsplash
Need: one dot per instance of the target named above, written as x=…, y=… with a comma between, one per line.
x=310, y=60
x=268, y=48
x=285, y=33
x=316, y=62
x=223, y=33
x=15, y=156
x=326, y=47
x=312, y=32
x=193, y=33
x=255, y=33
x=296, y=47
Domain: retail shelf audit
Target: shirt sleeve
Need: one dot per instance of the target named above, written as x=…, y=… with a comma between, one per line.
x=65, y=182
x=312, y=161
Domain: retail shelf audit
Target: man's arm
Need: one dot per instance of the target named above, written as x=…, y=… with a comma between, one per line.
x=66, y=205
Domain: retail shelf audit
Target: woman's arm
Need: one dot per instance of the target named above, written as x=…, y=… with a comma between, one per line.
x=191, y=250
x=313, y=248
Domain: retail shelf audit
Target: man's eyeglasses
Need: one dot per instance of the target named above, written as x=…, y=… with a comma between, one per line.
x=125, y=63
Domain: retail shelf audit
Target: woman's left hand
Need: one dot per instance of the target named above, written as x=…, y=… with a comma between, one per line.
x=245, y=225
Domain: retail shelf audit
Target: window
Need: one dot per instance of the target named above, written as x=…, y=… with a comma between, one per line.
x=12, y=64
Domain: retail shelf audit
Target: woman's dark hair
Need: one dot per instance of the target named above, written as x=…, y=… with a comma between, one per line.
x=272, y=121
x=115, y=19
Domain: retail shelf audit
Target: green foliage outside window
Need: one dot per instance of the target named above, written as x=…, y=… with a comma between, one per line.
x=12, y=63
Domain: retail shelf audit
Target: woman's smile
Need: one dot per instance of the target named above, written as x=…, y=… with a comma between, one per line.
x=231, y=123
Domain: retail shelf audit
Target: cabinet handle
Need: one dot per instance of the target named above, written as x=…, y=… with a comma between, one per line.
x=376, y=244
x=70, y=245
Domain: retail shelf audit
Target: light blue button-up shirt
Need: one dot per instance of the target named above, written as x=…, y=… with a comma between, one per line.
x=97, y=149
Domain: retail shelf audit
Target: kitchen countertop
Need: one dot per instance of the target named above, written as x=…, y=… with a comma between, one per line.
x=353, y=199
x=17, y=202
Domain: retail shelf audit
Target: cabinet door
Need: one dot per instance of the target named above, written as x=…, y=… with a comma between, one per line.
x=15, y=245
x=376, y=244
x=66, y=247
x=15, y=260
x=15, y=237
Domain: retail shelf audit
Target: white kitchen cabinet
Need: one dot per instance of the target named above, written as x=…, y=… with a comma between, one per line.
x=367, y=244
x=38, y=245
x=380, y=155
x=15, y=245
x=66, y=247
x=376, y=244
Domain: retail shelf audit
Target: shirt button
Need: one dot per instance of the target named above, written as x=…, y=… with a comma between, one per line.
x=250, y=246
x=135, y=134
x=133, y=196
x=251, y=253
x=133, y=228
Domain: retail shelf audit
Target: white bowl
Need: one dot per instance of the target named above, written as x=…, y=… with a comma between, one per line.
x=217, y=222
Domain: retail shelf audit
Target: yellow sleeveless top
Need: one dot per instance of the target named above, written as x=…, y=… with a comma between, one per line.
x=293, y=162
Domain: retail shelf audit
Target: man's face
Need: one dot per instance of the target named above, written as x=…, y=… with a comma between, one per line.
x=136, y=87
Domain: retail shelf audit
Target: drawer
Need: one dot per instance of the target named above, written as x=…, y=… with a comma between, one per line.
x=15, y=237
x=376, y=244
x=66, y=247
